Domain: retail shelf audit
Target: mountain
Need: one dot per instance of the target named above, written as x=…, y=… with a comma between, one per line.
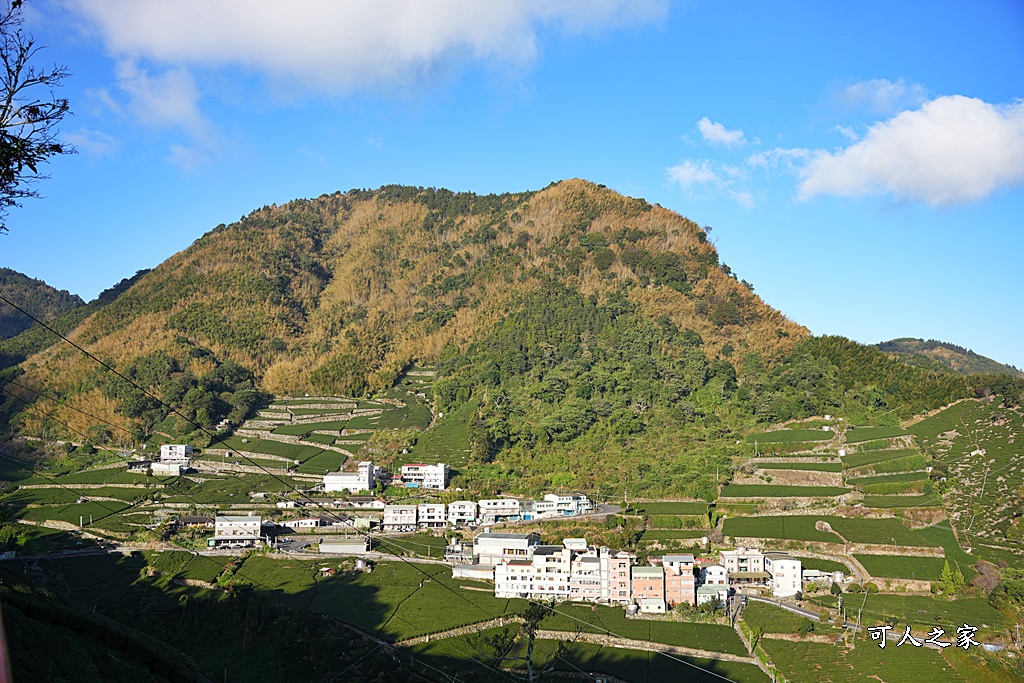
x=587, y=338
x=36, y=297
x=943, y=356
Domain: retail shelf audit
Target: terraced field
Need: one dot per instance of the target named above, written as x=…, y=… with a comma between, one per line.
x=983, y=447
x=861, y=434
x=773, y=491
x=903, y=567
x=803, y=466
x=867, y=663
x=668, y=508
x=791, y=436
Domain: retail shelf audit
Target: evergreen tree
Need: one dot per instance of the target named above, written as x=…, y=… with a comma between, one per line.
x=947, y=581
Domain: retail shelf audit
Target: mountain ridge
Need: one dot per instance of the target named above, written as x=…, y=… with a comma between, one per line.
x=944, y=356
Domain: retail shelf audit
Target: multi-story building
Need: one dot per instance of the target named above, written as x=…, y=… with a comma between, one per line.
x=496, y=509
x=680, y=583
x=494, y=549
x=175, y=453
x=745, y=567
x=714, y=575
x=461, y=512
x=545, y=575
x=570, y=503
x=431, y=516
x=399, y=518
x=363, y=479
x=648, y=588
x=426, y=476
x=785, y=571
x=585, y=578
x=237, y=531
x=615, y=575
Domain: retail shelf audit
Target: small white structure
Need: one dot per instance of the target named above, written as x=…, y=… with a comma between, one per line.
x=345, y=545
x=399, y=518
x=236, y=531
x=480, y=572
x=461, y=512
x=708, y=593
x=714, y=575
x=494, y=549
x=652, y=606
x=166, y=469
x=426, y=476
x=175, y=453
x=493, y=509
x=570, y=503
x=363, y=479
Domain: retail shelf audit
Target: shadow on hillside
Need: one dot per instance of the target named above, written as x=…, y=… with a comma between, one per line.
x=282, y=620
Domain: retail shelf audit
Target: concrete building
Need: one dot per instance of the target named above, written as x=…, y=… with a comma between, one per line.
x=648, y=584
x=426, y=476
x=345, y=545
x=431, y=516
x=615, y=575
x=714, y=575
x=708, y=593
x=237, y=531
x=545, y=576
x=745, y=567
x=495, y=509
x=175, y=453
x=399, y=518
x=461, y=512
x=570, y=503
x=494, y=549
x=680, y=583
x=785, y=571
x=167, y=469
x=363, y=479
x=585, y=578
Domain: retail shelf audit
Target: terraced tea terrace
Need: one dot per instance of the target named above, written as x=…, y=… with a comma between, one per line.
x=773, y=491
x=803, y=662
x=804, y=466
x=860, y=434
x=668, y=508
x=903, y=567
x=914, y=501
x=791, y=436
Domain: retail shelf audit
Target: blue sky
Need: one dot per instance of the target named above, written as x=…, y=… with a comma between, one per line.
x=862, y=165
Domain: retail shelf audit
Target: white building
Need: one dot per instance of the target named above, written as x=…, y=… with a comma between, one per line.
x=431, y=515
x=493, y=509
x=345, y=545
x=494, y=549
x=545, y=576
x=166, y=469
x=175, y=453
x=399, y=518
x=785, y=571
x=236, y=531
x=570, y=503
x=714, y=575
x=426, y=476
x=461, y=512
x=363, y=479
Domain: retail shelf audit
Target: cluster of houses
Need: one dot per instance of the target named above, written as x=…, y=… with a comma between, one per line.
x=249, y=531
x=366, y=476
x=172, y=461
x=488, y=511
x=521, y=567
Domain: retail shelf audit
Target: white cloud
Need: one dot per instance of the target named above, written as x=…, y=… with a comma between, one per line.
x=717, y=134
x=881, y=96
x=690, y=173
x=92, y=141
x=325, y=46
x=170, y=99
x=952, y=150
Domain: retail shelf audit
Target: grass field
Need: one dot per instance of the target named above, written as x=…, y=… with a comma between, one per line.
x=600, y=619
x=867, y=663
x=668, y=508
x=859, y=434
x=772, y=491
x=772, y=619
x=926, y=500
x=421, y=545
x=456, y=657
x=793, y=527
x=284, y=450
x=804, y=466
x=790, y=436
x=871, y=457
x=888, y=479
x=902, y=567
x=303, y=429
x=924, y=611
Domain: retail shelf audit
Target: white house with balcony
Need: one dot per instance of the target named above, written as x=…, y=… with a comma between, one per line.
x=174, y=453
x=236, y=531
x=426, y=476
x=462, y=512
x=363, y=479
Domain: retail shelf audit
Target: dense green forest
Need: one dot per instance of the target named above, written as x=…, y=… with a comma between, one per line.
x=35, y=296
x=943, y=356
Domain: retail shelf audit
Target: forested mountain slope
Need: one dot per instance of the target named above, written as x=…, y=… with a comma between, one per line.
x=577, y=325
x=35, y=296
x=937, y=355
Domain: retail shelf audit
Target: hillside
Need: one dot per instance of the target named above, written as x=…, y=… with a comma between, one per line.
x=937, y=355
x=580, y=335
x=36, y=297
